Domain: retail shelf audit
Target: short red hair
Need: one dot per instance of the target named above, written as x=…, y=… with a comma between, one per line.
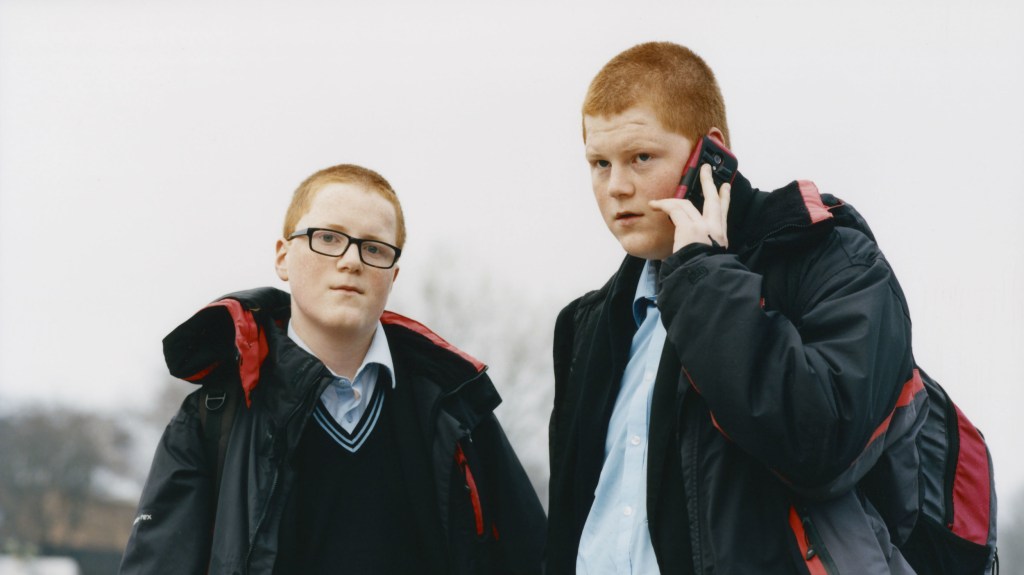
x=303, y=197
x=674, y=82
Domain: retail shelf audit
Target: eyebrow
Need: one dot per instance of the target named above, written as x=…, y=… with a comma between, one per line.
x=345, y=230
x=631, y=147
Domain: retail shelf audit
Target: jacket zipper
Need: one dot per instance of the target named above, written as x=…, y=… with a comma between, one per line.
x=319, y=389
x=259, y=523
x=816, y=549
x=474, y=494
x=693, y=501
x=460, y=456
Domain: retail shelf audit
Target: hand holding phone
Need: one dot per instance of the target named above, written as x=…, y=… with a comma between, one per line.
x=723, y=169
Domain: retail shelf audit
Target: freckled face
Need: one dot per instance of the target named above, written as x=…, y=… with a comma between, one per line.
x=339, y=296
x=633, y=160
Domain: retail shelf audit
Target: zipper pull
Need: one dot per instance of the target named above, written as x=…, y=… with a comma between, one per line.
x=807, y=538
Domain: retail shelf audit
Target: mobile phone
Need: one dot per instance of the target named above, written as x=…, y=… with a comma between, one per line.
x=723, y=168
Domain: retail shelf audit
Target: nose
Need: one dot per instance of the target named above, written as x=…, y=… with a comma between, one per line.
x=349, y=259
x=619, y=182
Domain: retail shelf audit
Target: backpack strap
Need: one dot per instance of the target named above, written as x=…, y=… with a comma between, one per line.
x=217, y=407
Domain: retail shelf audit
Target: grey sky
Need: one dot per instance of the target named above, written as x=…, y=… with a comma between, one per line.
x=148, y=150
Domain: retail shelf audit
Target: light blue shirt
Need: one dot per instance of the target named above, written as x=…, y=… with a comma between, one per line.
x=346, y=399
x=616, y=538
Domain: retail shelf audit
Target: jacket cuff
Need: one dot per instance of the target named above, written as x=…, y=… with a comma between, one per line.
x=687, y=253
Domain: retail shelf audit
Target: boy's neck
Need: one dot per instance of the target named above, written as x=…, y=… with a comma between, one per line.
x=342, y=353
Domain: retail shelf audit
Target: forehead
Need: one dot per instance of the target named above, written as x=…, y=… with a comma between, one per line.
x=635, y=124
x=352, y=208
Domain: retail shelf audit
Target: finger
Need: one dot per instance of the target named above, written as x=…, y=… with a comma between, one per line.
x=726, y=196
x=679, y=211
x=712, y=203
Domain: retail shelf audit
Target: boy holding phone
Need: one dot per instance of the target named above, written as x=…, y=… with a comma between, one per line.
x=722, y=402
x=362, y=443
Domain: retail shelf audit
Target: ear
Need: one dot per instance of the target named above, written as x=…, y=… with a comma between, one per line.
x=281, y=259
x=717, y=134
x=393, y=278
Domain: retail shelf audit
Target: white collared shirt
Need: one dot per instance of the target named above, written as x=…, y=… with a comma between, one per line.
x=616, y=539
x=346, y=399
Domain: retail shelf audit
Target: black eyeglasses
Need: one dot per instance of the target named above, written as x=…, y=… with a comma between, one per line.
x=334, y=244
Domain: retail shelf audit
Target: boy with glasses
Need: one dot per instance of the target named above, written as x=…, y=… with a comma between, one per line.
x=365, y=443
x=722, y=404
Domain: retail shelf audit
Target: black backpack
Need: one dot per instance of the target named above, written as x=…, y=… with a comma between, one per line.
x=956, y=523
x=955, y=531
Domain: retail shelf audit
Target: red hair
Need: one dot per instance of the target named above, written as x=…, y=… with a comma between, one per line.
x=342, y=174
x=674, y=82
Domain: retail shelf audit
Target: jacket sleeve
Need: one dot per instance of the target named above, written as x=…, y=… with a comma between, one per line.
x=810, y=392
x=518, y=520
x=173, y=527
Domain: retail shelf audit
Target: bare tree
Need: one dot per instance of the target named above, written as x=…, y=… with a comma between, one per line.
x=504, y=327
x=169, y=398
x=51, y=458
x=148, y=424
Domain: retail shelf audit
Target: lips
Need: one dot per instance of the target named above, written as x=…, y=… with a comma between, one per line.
x=619, y=216
x=346, y=288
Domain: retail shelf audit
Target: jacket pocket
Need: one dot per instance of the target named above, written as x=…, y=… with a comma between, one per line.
x=845, y=535
x=473, y=535
x=815, y=554
x=471, y=487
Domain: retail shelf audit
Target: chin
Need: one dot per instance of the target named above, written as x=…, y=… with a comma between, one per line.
x=645, y=250
x=356, y=324
x=348, y=323
x=642, y=245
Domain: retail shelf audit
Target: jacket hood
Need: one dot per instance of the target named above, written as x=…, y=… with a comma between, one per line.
x=231, y=334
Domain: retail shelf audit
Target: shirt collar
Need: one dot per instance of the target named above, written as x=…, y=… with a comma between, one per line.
x=379, y=352
x=646, y=291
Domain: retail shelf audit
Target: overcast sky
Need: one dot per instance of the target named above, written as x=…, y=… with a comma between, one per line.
x=148, y=151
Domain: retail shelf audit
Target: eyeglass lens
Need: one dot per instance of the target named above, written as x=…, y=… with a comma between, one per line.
x=372, y=253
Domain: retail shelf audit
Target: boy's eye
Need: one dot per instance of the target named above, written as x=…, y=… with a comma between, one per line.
x=602, y=163
x=329, y=238
x=371, y=249
x=643, y=157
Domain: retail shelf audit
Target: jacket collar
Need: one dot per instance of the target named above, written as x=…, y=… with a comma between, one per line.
x=379, y=353
x=795, y=213
x=232, y=338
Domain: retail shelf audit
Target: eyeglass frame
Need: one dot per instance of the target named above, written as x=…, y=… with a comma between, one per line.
x=308, y=232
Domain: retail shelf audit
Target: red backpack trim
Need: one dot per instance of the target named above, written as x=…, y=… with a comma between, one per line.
x=392, y=318
x=971, y=485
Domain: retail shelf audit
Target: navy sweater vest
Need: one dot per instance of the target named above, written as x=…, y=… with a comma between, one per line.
x=350, y=511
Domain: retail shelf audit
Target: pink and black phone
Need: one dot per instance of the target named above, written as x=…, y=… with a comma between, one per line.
x=723, y=168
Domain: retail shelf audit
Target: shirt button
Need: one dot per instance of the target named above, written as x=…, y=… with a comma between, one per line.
x=627, y=511
x=635, y=440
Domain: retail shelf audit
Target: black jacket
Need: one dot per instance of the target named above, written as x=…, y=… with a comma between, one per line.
x=787, y=372
x=493, y=523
